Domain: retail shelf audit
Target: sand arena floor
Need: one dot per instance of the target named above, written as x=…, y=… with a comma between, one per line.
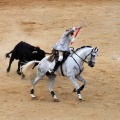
x=41, y=23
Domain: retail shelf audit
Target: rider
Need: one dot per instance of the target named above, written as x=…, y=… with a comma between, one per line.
x=63, y=46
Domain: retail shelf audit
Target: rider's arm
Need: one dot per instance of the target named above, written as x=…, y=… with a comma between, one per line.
x=78, y=29
x=71, y=31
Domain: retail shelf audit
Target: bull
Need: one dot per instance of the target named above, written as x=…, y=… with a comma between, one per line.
x=24, y=52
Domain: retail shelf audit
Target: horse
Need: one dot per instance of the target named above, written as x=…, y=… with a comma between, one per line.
x=72, y=68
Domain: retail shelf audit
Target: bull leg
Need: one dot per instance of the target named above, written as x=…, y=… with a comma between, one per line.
x=18, y=70
x=52, y=80
x=10, y=62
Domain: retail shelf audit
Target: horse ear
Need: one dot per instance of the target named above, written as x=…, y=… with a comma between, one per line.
x=96, y=48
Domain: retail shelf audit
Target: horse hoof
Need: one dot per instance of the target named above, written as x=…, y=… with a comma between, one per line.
x=56, y=100
x=34, y=98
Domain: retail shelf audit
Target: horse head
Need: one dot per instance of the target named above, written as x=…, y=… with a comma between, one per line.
x=91, y=57
x=88, y=54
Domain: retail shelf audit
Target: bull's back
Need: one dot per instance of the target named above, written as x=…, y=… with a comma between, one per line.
x=24, y=52
x=21, y=49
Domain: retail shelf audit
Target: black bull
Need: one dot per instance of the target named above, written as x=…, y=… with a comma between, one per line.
x=25, y=52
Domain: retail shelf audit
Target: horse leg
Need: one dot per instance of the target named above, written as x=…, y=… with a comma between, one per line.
x=72, y=78
x=83, y=81
x=52, y=80
x=22, y=74
x=10, y=62
x=33, y=84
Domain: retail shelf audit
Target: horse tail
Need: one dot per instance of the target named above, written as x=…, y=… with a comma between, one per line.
x=25, y=68
x=7, y=54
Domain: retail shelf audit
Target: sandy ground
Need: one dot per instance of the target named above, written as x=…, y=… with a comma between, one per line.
x=41, y=23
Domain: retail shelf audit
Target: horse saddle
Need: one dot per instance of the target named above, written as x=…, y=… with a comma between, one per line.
x=55, y=55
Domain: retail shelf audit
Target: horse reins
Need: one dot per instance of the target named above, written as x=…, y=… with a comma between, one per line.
x=84, y=60
x=80, y=70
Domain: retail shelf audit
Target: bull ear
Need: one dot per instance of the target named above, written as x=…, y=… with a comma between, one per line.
x=34, y=52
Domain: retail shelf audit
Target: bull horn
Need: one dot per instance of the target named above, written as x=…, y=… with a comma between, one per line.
x=34, y=52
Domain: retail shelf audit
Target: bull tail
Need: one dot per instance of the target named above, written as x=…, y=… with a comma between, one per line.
x=25, y=68
x=7, y=54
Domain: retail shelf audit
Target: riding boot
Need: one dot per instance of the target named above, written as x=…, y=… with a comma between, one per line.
x=55, y=68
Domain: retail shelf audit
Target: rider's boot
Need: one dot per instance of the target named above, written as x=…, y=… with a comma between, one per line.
x=55, y=68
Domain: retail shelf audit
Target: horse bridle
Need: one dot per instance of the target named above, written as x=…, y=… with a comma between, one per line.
x=84, y=60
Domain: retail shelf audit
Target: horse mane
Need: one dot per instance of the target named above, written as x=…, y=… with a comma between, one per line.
x=82, y=48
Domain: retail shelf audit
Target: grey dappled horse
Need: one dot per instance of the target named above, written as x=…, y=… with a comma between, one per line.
x=71, y=68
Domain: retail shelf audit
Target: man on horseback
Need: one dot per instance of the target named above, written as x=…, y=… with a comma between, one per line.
x=63, y=46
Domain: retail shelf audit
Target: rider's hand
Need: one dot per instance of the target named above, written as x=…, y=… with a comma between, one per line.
x=74, y=28
x=71, y=49
x=79, y=27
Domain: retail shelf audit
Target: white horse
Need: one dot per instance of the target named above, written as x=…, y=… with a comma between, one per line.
x=71, y=68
